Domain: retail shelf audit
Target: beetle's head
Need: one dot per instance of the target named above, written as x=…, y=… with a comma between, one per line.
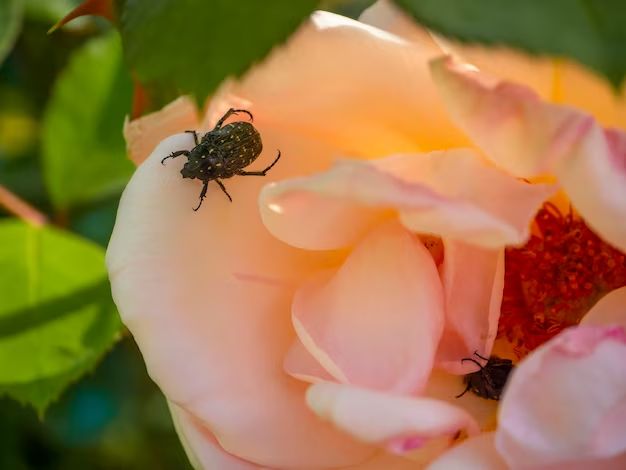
x=192, y=168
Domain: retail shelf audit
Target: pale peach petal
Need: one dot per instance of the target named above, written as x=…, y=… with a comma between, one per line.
x=384, y=15
x=476, y=453
x=377, y=320
x=329, y=210
x=386, y=461
x=610, y=310
x=537, y=73
x=299, y=363
x=401, y=424
x=555, y=80
x=207, y=297
x=352, y=85
x=473, y=279
x=567, y=400
x=454, y=194
x=529, y=137
x=507, y=121
x=143, y=135
x=203, y=450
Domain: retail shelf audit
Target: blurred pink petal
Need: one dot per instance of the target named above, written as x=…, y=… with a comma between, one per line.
x=201, y=447
x=401, y=424
x=353, y=86
x=473, y=279
x=453, y=194
x=209, y=305
x=613, y=463
x=143, y=135
x=529, y=137
x=475, y=453
x=376, y=321
x=610, y=310
x=567, y=400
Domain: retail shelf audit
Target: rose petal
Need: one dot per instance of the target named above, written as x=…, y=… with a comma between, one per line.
x=536, y=73
x=453, y=194
x=389, y=420
x=614, y=463
x=384, y=15
x=376, y=321
x=473, y=280
x=580, y=87
x=532, y=71
x=357, y=87
x=507, y=121
x=528, y=137
x=143, y=135
x=207, y=297
x=385, y=461
x=610, y=310
x=201, y=447
x=594, y=177
x=299, y=363
x=567, y=400
x=476, y=453
x=446, y=387
x=557, y=81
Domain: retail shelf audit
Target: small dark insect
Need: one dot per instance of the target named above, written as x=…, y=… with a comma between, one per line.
x=223, y=152
x=489, y=381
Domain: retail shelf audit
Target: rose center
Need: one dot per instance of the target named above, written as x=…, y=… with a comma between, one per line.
x=555, y=278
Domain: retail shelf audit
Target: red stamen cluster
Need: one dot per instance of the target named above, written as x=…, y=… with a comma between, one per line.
x=553, y=280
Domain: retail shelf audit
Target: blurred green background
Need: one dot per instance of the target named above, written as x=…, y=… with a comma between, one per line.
x=114, y=417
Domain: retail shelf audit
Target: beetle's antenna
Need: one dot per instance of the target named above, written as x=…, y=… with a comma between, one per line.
x=474, y=361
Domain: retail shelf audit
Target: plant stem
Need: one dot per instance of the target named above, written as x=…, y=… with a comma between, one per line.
x=20, y=208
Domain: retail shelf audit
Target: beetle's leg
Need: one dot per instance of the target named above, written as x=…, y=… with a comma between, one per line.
x=175, y=154
x=478, y=355
x=229, y=113
x=469, y=384
x=469, y=359
x=195, y=136
x=224, y=189
x=202, y=194
x=262, y=172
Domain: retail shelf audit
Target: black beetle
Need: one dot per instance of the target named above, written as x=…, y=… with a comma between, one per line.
x=489, y=381
x=223, y=152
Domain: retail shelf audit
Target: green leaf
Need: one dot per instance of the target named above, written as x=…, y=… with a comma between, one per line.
x=349, y=8
x=10, y=23
x=83, y=148
x=56, y=315
x=49, y=10
x=192, y=45
x=592, y=32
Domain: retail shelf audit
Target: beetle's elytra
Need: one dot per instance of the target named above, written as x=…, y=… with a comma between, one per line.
x=489, y=381
x=223, y=152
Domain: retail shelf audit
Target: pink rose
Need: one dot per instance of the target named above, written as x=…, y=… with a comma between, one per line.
x=320, y=319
